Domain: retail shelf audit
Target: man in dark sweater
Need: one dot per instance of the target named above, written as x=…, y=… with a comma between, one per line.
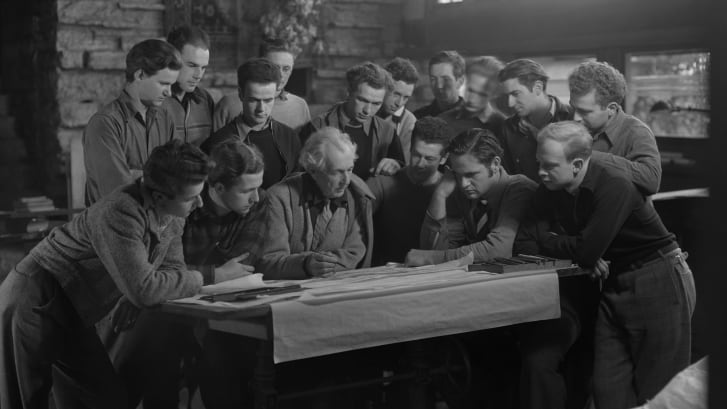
x=482, y=87
x=595, y=213
x=525, y=81
x=258, y=81
x=401, y=200
x=446, y=76
x=190, y=106
x=378, y=148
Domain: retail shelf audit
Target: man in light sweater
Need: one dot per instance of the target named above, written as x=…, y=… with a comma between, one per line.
x=289, y=108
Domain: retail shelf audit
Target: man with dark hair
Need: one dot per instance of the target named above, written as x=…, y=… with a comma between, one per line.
x=490, y=201
x=119, y=137
x=288, y=109
x=228, y=232
x=481, y=87
x=401, y=200
x=222, y=239
x=258, y=81
x=597, y=92
x=190, y=107
x=319, y=221
x=596, y=213
x=446, y=76
x=378, y=147
x=525, y=81
x=405, y=77
x=126, y=249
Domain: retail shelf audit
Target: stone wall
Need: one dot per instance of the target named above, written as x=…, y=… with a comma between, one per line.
x=93, y=39
x=95, y=35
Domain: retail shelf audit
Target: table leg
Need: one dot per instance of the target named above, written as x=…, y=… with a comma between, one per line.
x=263, y=382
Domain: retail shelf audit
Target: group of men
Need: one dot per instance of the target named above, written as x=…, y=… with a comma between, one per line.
x=264, y=187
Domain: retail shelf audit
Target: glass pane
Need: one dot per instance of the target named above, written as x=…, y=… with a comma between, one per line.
x=669, y=91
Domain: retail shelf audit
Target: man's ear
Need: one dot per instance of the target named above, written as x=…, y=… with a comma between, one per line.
x=538, y=87
x=577, y=165
x=157, y=196
x=219, y=188
x=139, y=74
x=496, y=161
x=444, y=159
x=460, y=82
x=240, y=93
x=612, y=109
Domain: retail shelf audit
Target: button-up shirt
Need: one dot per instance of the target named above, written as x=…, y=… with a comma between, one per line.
x=506, y=204
x=192, y=116
x=629, y=143
x=117, y=142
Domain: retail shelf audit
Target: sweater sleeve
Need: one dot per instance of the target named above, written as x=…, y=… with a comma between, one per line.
x=118, y=238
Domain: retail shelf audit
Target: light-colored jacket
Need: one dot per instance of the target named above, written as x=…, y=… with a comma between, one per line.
x=289, y=229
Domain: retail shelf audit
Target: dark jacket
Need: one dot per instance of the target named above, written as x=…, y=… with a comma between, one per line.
x=285, y=139
x=519, y=143
x=385, y=143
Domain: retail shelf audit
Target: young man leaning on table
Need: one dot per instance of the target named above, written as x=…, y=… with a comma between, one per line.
x=125, y=249
x=222, y=240
x=594, y=211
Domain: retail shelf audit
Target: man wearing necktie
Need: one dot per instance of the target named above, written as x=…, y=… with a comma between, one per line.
x=489, y=203
x=319, y=221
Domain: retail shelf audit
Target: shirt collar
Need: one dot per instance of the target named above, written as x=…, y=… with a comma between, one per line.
x=344, y=120
x=312, y=194
x=527, y=127
x=134, y=106
x=283, y=95
x=613, y=128
x=245, y=130
x=157, y=224
x=493, y=197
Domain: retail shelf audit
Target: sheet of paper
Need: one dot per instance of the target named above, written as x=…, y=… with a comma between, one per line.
x=243, y=283
x=331, y=318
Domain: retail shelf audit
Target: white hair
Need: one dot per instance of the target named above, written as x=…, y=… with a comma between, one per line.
x=312, y=155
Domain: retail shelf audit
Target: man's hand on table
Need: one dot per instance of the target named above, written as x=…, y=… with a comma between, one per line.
x=600, y=270
x=322, y=263
x=233, y=268
x=416, y=257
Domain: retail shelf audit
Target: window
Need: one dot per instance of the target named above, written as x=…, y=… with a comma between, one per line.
x=669, y=91
x=558, y=69
x=448, y=1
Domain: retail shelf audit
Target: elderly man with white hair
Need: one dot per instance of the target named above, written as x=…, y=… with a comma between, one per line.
x=319, y=221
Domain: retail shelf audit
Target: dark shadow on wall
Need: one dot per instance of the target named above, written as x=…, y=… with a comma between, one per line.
x=30, y=149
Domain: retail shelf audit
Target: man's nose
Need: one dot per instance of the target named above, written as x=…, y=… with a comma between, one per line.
x=577, y=117
x=511, y=101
